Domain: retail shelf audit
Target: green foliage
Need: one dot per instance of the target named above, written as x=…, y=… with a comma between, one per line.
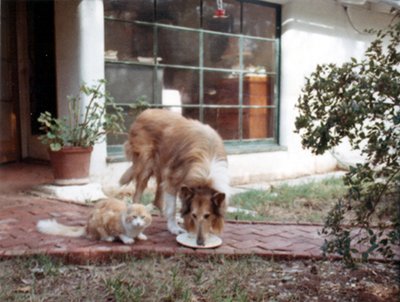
x=360, y=101
x=83, y=128
x=139, y=105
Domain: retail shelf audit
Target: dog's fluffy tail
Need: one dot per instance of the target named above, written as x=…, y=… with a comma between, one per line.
x=52, y=227
x=127, y=177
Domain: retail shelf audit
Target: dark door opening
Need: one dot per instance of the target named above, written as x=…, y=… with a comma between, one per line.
x=42, y=69
x=9, y=146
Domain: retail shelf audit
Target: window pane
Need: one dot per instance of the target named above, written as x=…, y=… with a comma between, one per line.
x=182, y=80
x=178, y=47
x=192, y=113
x=221, y=88
x=258, y=123
x=179, y=12
x=142, y=10
x=258, y=55
x=228, y=24
x=180, y=87
x=128, y=42
x=129, y=118
x=224, y=120
x=259, y=20
x=221, y=51
x=257, y=91
x=128, y=83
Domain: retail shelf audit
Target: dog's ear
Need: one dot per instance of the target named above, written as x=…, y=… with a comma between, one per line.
x=218, y=198
x=186, y=194
x=217, y=225
x=218, y=201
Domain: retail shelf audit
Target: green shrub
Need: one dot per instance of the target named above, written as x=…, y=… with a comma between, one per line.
x=360, y=101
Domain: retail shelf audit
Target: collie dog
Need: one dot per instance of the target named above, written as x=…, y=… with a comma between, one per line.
x=188, y=160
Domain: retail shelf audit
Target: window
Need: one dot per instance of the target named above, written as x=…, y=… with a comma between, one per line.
x=176, y=54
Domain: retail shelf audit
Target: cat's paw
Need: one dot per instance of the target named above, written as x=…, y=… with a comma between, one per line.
x=108, y=239
x=142, y=236
x=126, y=239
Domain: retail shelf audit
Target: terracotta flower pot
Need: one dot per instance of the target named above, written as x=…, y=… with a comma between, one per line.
x=71, y=165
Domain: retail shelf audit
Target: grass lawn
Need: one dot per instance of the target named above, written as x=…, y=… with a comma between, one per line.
x=307, y=203
x=184, y=278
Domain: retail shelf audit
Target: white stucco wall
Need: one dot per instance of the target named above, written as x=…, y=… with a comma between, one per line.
x=79, y=26
x=313, y=32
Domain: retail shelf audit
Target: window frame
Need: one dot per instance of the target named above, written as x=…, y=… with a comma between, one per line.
x=236, y=146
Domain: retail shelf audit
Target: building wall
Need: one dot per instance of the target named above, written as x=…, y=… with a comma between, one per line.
x=79, y=26
x=313, y=32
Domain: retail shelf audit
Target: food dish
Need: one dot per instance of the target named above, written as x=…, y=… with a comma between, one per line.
x=189, y=240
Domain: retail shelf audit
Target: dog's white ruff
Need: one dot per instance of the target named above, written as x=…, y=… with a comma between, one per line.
x=220, y=177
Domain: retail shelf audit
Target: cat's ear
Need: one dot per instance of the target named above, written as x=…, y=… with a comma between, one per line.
x=186, y=194
x=130, y=209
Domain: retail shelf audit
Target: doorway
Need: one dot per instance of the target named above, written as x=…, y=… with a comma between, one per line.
x=28, y=76
x=41, y=82
x=9, y=146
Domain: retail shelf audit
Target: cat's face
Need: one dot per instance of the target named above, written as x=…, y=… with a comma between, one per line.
x=138, y=216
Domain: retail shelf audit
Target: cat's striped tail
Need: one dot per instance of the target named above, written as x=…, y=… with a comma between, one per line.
x=52, y=227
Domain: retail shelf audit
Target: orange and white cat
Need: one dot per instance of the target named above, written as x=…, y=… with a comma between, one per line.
x=110, y=219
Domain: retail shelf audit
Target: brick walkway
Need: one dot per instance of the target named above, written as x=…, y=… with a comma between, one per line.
x=18, y=236
x=20, y=212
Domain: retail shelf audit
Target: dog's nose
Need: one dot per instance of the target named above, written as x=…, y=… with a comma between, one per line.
x=200, y=241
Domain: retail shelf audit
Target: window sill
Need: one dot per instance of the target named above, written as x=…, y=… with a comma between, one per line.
x=115, y=153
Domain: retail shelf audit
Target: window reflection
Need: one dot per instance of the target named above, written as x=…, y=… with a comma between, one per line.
x=185, y=13
x=229, y=24
x=258, y=56
x=129, y=10
x=178, y=47
x=128, y=42
x=221, y=51
x=259, y=20
x=185, y=82
x=178, y=55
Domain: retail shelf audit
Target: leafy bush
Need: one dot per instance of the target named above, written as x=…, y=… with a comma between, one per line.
x=360, y=100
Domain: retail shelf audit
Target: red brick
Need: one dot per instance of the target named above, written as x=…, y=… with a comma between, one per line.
x=18, y=236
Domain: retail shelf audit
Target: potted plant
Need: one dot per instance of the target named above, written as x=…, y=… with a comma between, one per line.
x=71, y=138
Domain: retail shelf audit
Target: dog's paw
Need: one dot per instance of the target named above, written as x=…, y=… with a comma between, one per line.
x=175, y=229
x=179, y=219
x=142, y=236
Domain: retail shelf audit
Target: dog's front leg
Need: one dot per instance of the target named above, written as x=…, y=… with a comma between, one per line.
x=170, y=213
